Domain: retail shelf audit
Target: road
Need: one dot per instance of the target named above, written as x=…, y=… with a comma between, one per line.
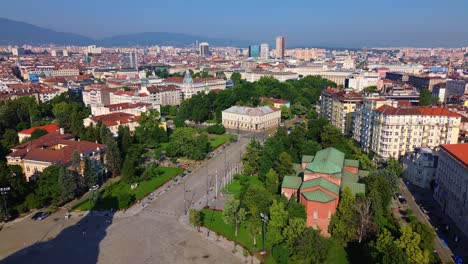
x=154, y=234
x=444, y=252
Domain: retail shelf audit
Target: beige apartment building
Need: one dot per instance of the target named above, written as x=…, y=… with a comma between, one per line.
x=362, y=119
x=338, y=107
x=251, y=118
x=451, y=186
x=165, y=94
x=397, y=131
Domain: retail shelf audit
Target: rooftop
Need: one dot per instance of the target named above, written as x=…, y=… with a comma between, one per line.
x=458, y=151
x=329, y=161
x=318, y=196
x=49, y=128
x=251, y=111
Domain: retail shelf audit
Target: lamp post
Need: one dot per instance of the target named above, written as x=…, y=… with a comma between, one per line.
x=3, y=192
x=264, y=220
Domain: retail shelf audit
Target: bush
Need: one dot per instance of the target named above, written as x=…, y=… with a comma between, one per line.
x=216, y=129
x=125, y=200
x=33, y=201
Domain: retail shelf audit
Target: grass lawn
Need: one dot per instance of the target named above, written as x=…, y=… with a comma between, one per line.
x=218, y=140
x=337, y=255
x=213, y=220
x=235, y=186
x=114, y=193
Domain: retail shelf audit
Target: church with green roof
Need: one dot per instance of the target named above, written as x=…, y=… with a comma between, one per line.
x=318, y=182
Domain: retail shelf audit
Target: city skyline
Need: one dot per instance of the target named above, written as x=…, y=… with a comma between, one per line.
x=332, y=24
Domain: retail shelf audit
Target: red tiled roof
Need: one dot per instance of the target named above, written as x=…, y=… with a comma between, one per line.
x=49, y=128
x=274, y=100
x=113, y=107
x=458, y=151
x=114, y=119
x=430, y=111
x=161, y=88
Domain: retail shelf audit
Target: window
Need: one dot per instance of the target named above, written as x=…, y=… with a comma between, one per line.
x=315, y=215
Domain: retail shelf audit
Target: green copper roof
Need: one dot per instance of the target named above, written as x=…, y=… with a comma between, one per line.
x=351, y=163
x=318, y=196
x=291, y=182
x=355, y=187
x=363, y=173
x=329, y=161
x=349, y=176
x=326, y=184
x=307, y=158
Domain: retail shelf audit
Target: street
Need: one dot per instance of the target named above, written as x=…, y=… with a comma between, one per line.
x=154, y=234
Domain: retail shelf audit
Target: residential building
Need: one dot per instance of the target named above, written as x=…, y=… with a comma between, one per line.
x=358, y=82
x=25, y=134
x=397, y=131
x=113, y=121
x=97, y=95
x=419, y=167
x=456, y=88
x=338, y=107
x=363, y=117
x=251, y=118
x=254, y=51
x=440, y=91
x=165, y=94
x=130, y=60
x=451, y=185
x=255, y=75
x=277, y=103
x=56, y=148
x=93, y=50
x=264, y=51
x=129, y=108
x=280, y=47
x=318, y=183
x=204, y=49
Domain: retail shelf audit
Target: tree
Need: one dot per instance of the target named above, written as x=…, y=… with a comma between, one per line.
x=310, y=247
x=90, y=176
x=409, y=242
x=364, y=218
x=296, y=209
x=10, y=138
x=277, y=221
x=425, y=97
x=370, y=89
x=285, y=112
x=186, y=141
x=195, y=218
x=251, y=159
x=272, y=181
x=395, y=167
x=298, y=109
x=37, y=133
x=48, y=188
x=233, y=213
x=68, y=183
x=236, y=78
x=293, y=230
x=284, y=165
x=256, y=200
x=343, y=223
x=385, y=251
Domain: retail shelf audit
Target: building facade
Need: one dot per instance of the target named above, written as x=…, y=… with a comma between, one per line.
x=190, y=87
x=419, y=167
x=280, y=47
x=251, y=118
x=55, y=148
x=165, y=94
x=397, y=131
x=451, y=186
x=264, y=51
x=254, y=51
x=338, y=107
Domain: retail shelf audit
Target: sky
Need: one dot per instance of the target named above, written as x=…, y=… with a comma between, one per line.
x=308, y=23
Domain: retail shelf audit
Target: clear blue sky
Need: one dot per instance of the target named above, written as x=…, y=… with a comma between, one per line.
x=340, y=23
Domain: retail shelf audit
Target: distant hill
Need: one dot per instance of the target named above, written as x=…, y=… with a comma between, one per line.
x=19, y=33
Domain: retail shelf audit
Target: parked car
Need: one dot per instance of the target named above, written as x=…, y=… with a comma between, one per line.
x=424, y=210
x=40, y=215
x=402, y=200
x=399, y=195
x=94, y=188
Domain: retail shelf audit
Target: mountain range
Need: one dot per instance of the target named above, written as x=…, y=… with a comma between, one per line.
x=18, y=33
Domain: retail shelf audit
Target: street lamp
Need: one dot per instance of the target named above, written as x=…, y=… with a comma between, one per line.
x=264, y=220
x=3, y=192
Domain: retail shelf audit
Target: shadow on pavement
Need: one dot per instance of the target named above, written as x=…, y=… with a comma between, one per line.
x=76, y=244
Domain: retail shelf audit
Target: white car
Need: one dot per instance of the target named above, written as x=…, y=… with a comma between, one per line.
x=94, y=188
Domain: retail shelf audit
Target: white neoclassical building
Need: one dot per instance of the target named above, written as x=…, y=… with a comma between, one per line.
x=251, y=118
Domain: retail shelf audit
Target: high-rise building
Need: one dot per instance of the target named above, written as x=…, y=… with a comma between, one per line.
x=131, y=60
x=254, y=51
x=280, y=47
x=93, y=50
x=204, y=49
x=264, y=50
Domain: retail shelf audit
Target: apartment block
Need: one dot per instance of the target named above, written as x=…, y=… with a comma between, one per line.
x=451, y=185
x=397, y=131
x=338, y=107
